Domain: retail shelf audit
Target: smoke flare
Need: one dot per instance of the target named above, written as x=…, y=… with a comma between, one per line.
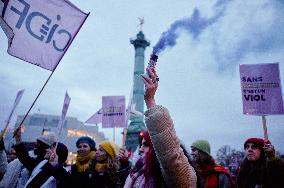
x=193, y=25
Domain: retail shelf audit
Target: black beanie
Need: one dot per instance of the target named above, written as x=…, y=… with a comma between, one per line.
x=62, y=152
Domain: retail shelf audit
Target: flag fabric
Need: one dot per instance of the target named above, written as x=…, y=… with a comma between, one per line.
x=113, y=109
x=127, y=116
x=7, y=30
x=16, y=102
x=132, y=111
x=40, y=32
x=96, y=118
x=261, y=89
x=66, y=103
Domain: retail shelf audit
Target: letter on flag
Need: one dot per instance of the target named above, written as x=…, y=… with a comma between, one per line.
x=63, y=114
x=40, y=32
x=113, y=109
x=96, y=118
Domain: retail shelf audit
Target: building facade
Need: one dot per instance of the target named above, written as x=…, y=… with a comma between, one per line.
x=39, y=124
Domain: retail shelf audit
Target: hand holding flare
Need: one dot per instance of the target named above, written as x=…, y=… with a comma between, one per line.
x=151, y=85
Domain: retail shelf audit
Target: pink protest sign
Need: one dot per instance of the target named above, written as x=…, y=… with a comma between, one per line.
x=113, y=109
x=261, y=89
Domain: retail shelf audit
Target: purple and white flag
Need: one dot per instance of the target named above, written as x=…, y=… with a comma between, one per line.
x=113, y=109
x=96, y=118
x=63, y=114
x=16, y=102
x=261, y=89
x=40, y=32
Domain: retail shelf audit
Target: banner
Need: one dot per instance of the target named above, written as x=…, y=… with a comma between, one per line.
x=42, y=30
x=16, y=102
x=113, y=108
x=261, y=89
x=96, y=118
x=63, y=114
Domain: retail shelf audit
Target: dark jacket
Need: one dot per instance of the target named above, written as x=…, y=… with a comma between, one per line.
x=29, y=162
x=40, y=177
x=268, y=174
x=79, y=179
x=97, y=180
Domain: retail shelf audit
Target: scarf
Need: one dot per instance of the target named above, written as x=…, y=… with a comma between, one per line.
x=82, y=162
x=211, y=174
x=135, y=179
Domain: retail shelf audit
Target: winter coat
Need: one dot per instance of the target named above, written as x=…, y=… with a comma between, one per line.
x=176, y=170
x=95, y=180
x=214, y=176
x=45, y=175
x=137, y=180
x=264, y=173
x=79, y=179
x=29, y=162
x=16, y=175
x=3, y=163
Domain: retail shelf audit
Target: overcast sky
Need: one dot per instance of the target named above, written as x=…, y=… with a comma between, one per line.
x=199, y=76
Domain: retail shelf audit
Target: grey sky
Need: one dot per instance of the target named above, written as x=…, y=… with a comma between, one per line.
x=199, y=78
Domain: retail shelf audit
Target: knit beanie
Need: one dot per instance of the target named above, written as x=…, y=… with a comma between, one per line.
x=88, y=140
x=62, y=152
x=259, y=142
x=110, y=148
x=202, y=145
x=48, y=138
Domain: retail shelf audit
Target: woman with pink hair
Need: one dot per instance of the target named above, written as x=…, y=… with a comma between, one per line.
x=146, y=171
x=163, y=162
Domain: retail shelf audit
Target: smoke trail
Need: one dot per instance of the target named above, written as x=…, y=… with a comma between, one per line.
x=193, y=25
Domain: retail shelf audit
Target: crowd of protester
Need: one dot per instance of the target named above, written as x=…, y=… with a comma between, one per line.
x=161, y=161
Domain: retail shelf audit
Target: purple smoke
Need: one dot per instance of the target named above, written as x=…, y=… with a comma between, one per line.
x=193, y=25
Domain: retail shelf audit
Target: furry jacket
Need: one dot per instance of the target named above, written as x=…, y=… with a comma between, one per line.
x=176, y=170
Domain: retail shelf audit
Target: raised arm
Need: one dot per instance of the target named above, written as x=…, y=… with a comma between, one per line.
x=22, y=153
x=174, y=164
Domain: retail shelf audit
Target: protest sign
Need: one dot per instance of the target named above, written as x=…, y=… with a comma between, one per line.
x=113, y=109
x=261, y=89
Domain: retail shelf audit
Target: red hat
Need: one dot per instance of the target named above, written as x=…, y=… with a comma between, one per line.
x=259, y=142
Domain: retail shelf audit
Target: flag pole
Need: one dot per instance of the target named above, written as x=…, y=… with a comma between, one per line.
x=124, y=136
x=52, y=73
x=264, y=127
x=113, y=134
x=3, y=133
x=36, y=98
